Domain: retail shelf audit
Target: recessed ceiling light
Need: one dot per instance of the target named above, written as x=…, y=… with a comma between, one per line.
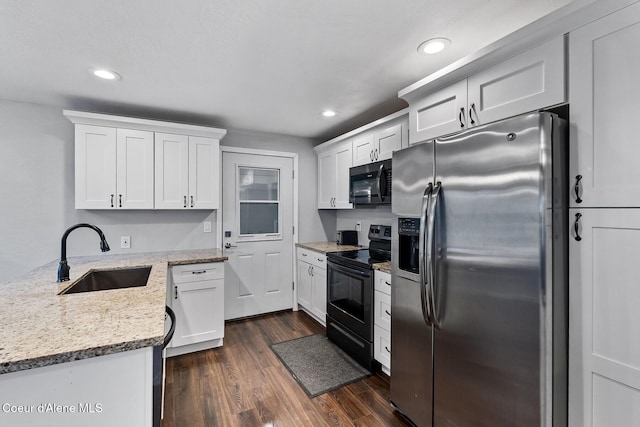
x=432, y=46
x=328, y=113
x=106, y=74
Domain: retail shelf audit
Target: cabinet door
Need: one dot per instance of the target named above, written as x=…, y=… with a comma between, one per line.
x=343, y=162
x=604, y=320
x=364, y=149
x=304, y=284
x=319, y=293
x=199, y=312
x=603, y=77
x=95, y=163
x=326, y=179
x=135, y=169
x=440, y=113
x=171, y=171
x=382, y=346
x=526, y=82
x=387, y=141
x=382, y=310
x=204, y=172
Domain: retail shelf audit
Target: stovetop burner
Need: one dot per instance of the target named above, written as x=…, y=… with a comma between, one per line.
x=379, y=249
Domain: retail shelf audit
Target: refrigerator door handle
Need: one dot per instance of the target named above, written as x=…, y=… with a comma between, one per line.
x=431, y=265
x=421, y=254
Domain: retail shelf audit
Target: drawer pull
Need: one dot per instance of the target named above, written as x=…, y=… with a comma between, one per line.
x=199, y=272
x=387, y=311
x=577, y=189
x=387, y=283
x=176, y=292
x=576, y=227
x=387, y=348
x=304, y=254
x=320, y=259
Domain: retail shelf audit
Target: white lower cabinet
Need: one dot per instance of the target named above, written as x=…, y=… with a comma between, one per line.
x=312, y=283
x=604, y=320
x=382, y=320
x=196, y=295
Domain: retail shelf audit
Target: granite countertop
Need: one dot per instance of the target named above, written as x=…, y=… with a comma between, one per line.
x=40, y=327
x=383, y=266
x=326, y=247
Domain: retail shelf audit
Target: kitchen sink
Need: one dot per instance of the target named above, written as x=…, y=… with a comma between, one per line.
x=102, y=280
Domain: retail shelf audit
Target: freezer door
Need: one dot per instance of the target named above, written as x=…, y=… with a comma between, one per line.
x=490, y=280
x=411, y=353
x=412, y=172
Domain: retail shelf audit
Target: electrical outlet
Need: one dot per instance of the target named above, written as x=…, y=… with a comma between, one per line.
x=125, y=242
x=207, y=226
x=358, y=226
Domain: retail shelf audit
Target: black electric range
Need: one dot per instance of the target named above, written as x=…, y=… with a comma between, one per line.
x=350, y=314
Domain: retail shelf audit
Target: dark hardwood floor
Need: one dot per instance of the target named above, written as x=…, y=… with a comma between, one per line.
x=243, y=383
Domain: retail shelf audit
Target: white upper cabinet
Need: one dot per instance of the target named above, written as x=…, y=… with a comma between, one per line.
x=186, y=172
x=439, y=113
x=604, y=91
x=532, y=80
x=333, y=177
x=526, y=82
x=114, y=168
x=128, y=163
x=378, y=144
x=134, y=169
x=363, y=149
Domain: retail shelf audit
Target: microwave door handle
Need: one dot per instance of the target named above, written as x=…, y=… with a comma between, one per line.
x=431, y=262
x=421, y=253
x=378, y=184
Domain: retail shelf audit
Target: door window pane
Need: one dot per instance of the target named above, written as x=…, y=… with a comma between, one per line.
x=258, y=184
x=258, y=218
x=259, y=200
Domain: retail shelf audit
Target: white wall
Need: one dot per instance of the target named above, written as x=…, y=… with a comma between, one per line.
x=37, y=196
x=379, y=215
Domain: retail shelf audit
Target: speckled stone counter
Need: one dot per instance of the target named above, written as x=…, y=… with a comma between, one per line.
x=383, y=266
x=326, y=247
x=40, y=327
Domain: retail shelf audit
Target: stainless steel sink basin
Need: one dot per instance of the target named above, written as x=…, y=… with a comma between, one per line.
x=101, y=280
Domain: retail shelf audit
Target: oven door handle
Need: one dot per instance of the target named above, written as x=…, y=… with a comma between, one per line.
x=349, y=271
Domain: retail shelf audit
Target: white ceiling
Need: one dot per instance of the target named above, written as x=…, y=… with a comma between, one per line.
x=265, y=65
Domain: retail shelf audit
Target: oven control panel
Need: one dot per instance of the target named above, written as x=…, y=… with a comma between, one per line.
x=380, y=232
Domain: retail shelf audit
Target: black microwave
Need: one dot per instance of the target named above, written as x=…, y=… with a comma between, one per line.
x=370, y=184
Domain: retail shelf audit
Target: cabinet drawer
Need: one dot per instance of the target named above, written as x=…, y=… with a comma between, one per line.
x=383, y=282
x=312, y=257
x=382, y=346
x=382, y=310
x=197, y=272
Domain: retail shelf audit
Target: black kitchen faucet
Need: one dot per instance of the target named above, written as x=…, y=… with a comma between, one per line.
x=63, y=267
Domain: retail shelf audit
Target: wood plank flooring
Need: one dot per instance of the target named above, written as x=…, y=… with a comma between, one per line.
x=243, y=383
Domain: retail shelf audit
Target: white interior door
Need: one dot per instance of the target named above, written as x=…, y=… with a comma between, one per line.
x=257, y=219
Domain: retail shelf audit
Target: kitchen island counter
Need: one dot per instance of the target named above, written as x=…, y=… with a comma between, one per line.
x=41, y=327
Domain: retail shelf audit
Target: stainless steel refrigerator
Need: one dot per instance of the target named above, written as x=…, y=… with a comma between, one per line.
x=479, y=296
